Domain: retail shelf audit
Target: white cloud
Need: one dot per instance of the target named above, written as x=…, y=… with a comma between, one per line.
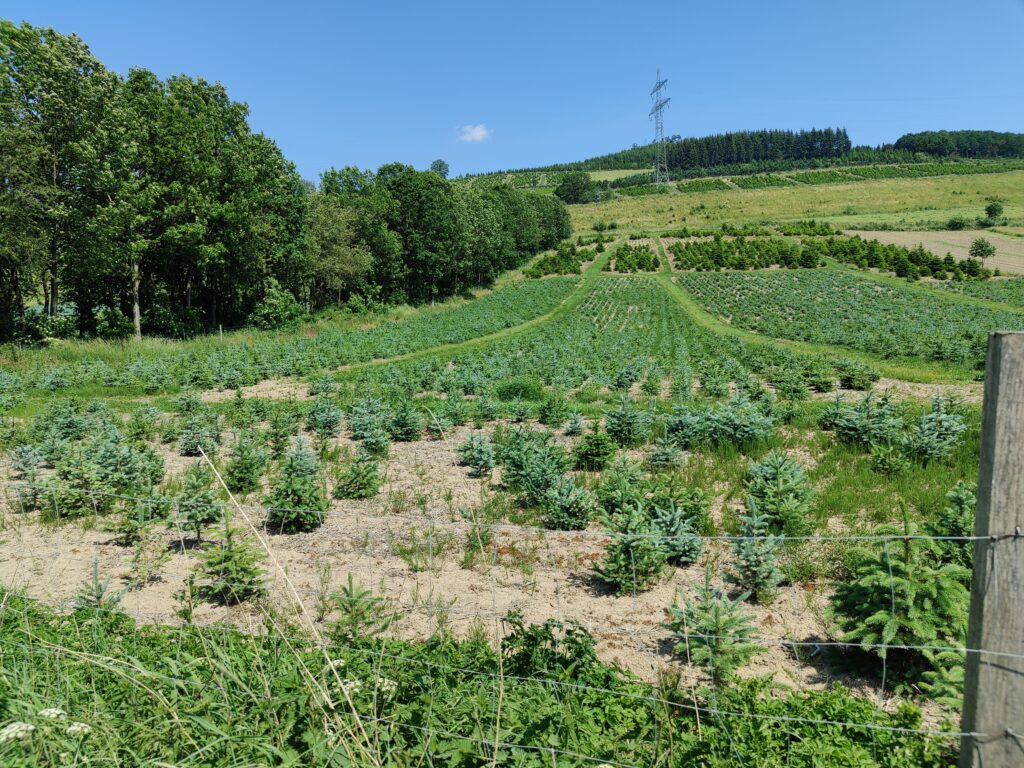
x=473, y=133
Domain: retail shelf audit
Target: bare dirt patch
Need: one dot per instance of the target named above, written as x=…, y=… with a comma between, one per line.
x=970, y=392
x=274, y=389
x=1009, y=250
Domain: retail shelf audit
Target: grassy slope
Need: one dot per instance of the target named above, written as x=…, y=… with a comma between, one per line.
x=568, y=304
x=896, y=202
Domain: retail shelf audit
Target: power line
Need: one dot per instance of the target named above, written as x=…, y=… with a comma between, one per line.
x=657, y=112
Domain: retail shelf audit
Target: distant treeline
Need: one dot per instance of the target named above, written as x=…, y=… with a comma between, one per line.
x=135, y=204
x=768, y=150
x=964, y=143
x=723, y=149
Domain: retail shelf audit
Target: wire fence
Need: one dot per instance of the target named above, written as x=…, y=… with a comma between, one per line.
x=375, y=541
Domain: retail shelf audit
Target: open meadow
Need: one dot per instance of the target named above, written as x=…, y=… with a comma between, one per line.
x=900, y=203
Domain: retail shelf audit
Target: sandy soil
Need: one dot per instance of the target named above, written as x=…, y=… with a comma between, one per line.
x=1009, y=250
x=968, y=392
x=543, y=574
x=274, y=389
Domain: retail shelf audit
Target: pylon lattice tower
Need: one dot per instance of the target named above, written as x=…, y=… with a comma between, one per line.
x=657, y=112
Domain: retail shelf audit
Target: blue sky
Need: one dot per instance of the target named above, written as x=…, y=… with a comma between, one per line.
x=491, y=85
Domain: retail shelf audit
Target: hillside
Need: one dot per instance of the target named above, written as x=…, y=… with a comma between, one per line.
x=776, y=150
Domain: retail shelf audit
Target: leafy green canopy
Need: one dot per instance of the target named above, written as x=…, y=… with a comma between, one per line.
x=147, y=205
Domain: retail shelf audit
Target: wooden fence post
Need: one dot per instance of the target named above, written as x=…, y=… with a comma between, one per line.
x=994, y=684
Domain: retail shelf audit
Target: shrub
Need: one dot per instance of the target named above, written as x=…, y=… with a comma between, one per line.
x=576, y=425
x=664, y=454
x=779, y=488
x=681, y=542
x=634, y=560
x=956, y=519
x=738, y=422
x=819, y=376
x=994, y=209
x=112, y=323
x=358, y=479
x=899, y=596
x=477, y=453
x=230, y=568
x=869, y=422
x=714, y=632
x=197, y=502
x=550, y=651
x=755, y=565
x=593, y=451
x=888, y=460
x=296, y=500
x=406, y=423
x=567, y=507
x=626, y=425
x=324, y=420
x=853, y=374
x=554, y=410
x=246, y=466
x=519, y=388
x=937, y=433
x=277, y=310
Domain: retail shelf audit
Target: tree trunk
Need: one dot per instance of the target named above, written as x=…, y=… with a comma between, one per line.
x=51, y=303
x=136, y=309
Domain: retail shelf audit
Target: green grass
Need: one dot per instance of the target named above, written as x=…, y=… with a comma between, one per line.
x=919, y=371
x=921, y=203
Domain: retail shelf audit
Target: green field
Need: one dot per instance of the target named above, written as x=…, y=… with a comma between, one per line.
x=924, y=203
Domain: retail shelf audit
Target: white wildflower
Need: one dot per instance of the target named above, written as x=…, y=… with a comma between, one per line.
x=386, y=687
x=16, y=731
x=53, y=713
x=351, y=687
x=78, y=729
